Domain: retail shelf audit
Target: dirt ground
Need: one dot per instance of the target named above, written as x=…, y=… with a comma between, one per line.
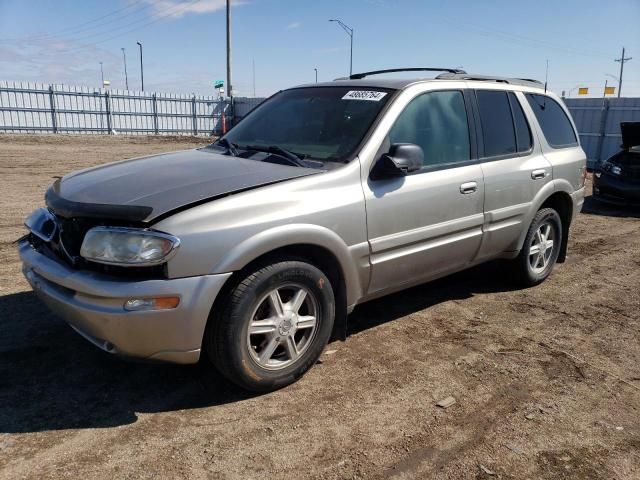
x=546, y=380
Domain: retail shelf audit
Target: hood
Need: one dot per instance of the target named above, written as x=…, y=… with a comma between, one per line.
x=630, y=134
x=143, y=189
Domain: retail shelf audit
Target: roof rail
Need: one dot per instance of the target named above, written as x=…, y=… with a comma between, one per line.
x=358, y=76
x=489, y=78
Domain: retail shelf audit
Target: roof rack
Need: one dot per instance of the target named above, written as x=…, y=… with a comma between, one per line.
x=358, y=76
x=488, y=78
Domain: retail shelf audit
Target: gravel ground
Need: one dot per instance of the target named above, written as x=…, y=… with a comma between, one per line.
x=546, y=379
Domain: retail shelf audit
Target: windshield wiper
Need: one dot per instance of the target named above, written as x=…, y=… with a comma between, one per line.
x=275, y=149
x=228, y=146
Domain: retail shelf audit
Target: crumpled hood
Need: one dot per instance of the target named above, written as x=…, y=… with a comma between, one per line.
x=143, y=189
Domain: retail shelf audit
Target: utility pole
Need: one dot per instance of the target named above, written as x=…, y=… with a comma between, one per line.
x=316, y=74
x=126, y=78
x=229, y=85
x=622, y=59
x=141, y=69
x=253, y=67
x=101, y=76
x=349, y=31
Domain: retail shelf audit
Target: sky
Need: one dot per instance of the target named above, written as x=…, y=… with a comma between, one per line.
x=64, y=41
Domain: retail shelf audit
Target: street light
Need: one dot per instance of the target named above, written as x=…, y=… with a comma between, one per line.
x=141, y=69
x=349, y=31
x=124, y=59
x=316, y=74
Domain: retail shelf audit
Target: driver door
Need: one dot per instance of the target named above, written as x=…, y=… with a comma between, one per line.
x=428, y=222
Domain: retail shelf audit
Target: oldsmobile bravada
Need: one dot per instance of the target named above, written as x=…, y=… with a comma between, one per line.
x=252, y=251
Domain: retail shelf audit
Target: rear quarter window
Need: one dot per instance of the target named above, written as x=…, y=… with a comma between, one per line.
x=553, y=121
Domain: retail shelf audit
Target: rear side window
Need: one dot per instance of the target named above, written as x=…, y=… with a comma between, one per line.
x=437, y=122
x=498, y=133
x=523, y=132
x=553, y=120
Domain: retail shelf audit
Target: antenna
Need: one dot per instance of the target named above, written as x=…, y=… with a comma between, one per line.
x=546, y=77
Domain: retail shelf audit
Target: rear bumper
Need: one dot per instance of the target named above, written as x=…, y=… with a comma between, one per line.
x=577, y=198
x=93, y=304
x=616, y=190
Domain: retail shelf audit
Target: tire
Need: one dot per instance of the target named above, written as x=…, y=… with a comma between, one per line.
x=531, y=268
x=263, y=341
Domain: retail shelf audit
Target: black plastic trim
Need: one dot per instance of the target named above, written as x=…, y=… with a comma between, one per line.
x=69, y=209
x=360, y=76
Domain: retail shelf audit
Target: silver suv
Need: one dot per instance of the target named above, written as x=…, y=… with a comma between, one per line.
x=252, y=251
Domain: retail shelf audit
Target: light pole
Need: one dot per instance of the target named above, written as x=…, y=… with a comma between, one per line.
x=141, y=69
x=101, y=76
x=349, y=31
x=126, y=78
x=316, y=74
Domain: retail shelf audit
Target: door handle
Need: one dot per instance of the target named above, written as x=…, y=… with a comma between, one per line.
x=468, y=187
x=538, y=174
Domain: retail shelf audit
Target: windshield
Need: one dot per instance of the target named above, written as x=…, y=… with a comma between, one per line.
x=322, y=123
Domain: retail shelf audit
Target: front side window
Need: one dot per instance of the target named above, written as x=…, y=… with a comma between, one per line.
x=322, y=123
x=437, y=122
x=553, y=121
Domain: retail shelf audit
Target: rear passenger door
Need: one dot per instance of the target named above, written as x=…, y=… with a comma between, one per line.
x=513, y=165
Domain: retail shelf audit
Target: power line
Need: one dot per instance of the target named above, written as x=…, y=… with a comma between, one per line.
x=82, y=26
x=172, y=11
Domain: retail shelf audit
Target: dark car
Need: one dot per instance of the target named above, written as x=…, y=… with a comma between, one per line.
x=617, y=180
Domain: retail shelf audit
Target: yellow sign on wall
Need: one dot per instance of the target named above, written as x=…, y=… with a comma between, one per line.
x=583, y=91
x=609, y=90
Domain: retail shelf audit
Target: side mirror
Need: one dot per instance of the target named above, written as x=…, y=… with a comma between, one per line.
x=403, y=158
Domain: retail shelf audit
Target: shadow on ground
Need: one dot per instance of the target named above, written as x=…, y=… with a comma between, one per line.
x=51, y=378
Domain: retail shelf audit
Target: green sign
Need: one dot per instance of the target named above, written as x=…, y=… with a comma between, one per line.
x=218, y=83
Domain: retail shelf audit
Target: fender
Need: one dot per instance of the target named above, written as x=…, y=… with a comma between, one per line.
x=353, y=260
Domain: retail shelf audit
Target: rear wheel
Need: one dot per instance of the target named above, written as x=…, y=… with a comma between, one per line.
x=541, y=248
x=273, y=327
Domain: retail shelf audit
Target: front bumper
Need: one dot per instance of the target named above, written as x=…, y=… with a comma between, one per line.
x=93, y=304
x=617, y=190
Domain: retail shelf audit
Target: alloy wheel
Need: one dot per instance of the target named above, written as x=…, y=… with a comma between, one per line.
x=282, y=326
x=541, y=247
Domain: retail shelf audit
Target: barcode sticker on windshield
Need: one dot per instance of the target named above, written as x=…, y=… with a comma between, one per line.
x=367, y=95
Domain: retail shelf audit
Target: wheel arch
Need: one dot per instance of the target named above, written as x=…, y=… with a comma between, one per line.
x=556, y=195
x=316, y=245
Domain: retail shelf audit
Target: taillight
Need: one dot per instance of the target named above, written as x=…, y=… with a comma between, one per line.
x=584, y=176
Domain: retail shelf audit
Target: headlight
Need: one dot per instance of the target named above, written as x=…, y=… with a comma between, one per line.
x=128, y=246
x=611, y=168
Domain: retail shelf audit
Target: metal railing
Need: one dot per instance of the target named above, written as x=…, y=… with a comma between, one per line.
x=41, y=108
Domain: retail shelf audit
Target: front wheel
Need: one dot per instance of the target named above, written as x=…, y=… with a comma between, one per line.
x=273, y=327
x=541, y=248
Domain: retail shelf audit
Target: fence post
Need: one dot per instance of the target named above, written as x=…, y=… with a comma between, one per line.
x=603, y=129
x=155, y=114
x=193, y=114
x=107, y=105
x=52, y=103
